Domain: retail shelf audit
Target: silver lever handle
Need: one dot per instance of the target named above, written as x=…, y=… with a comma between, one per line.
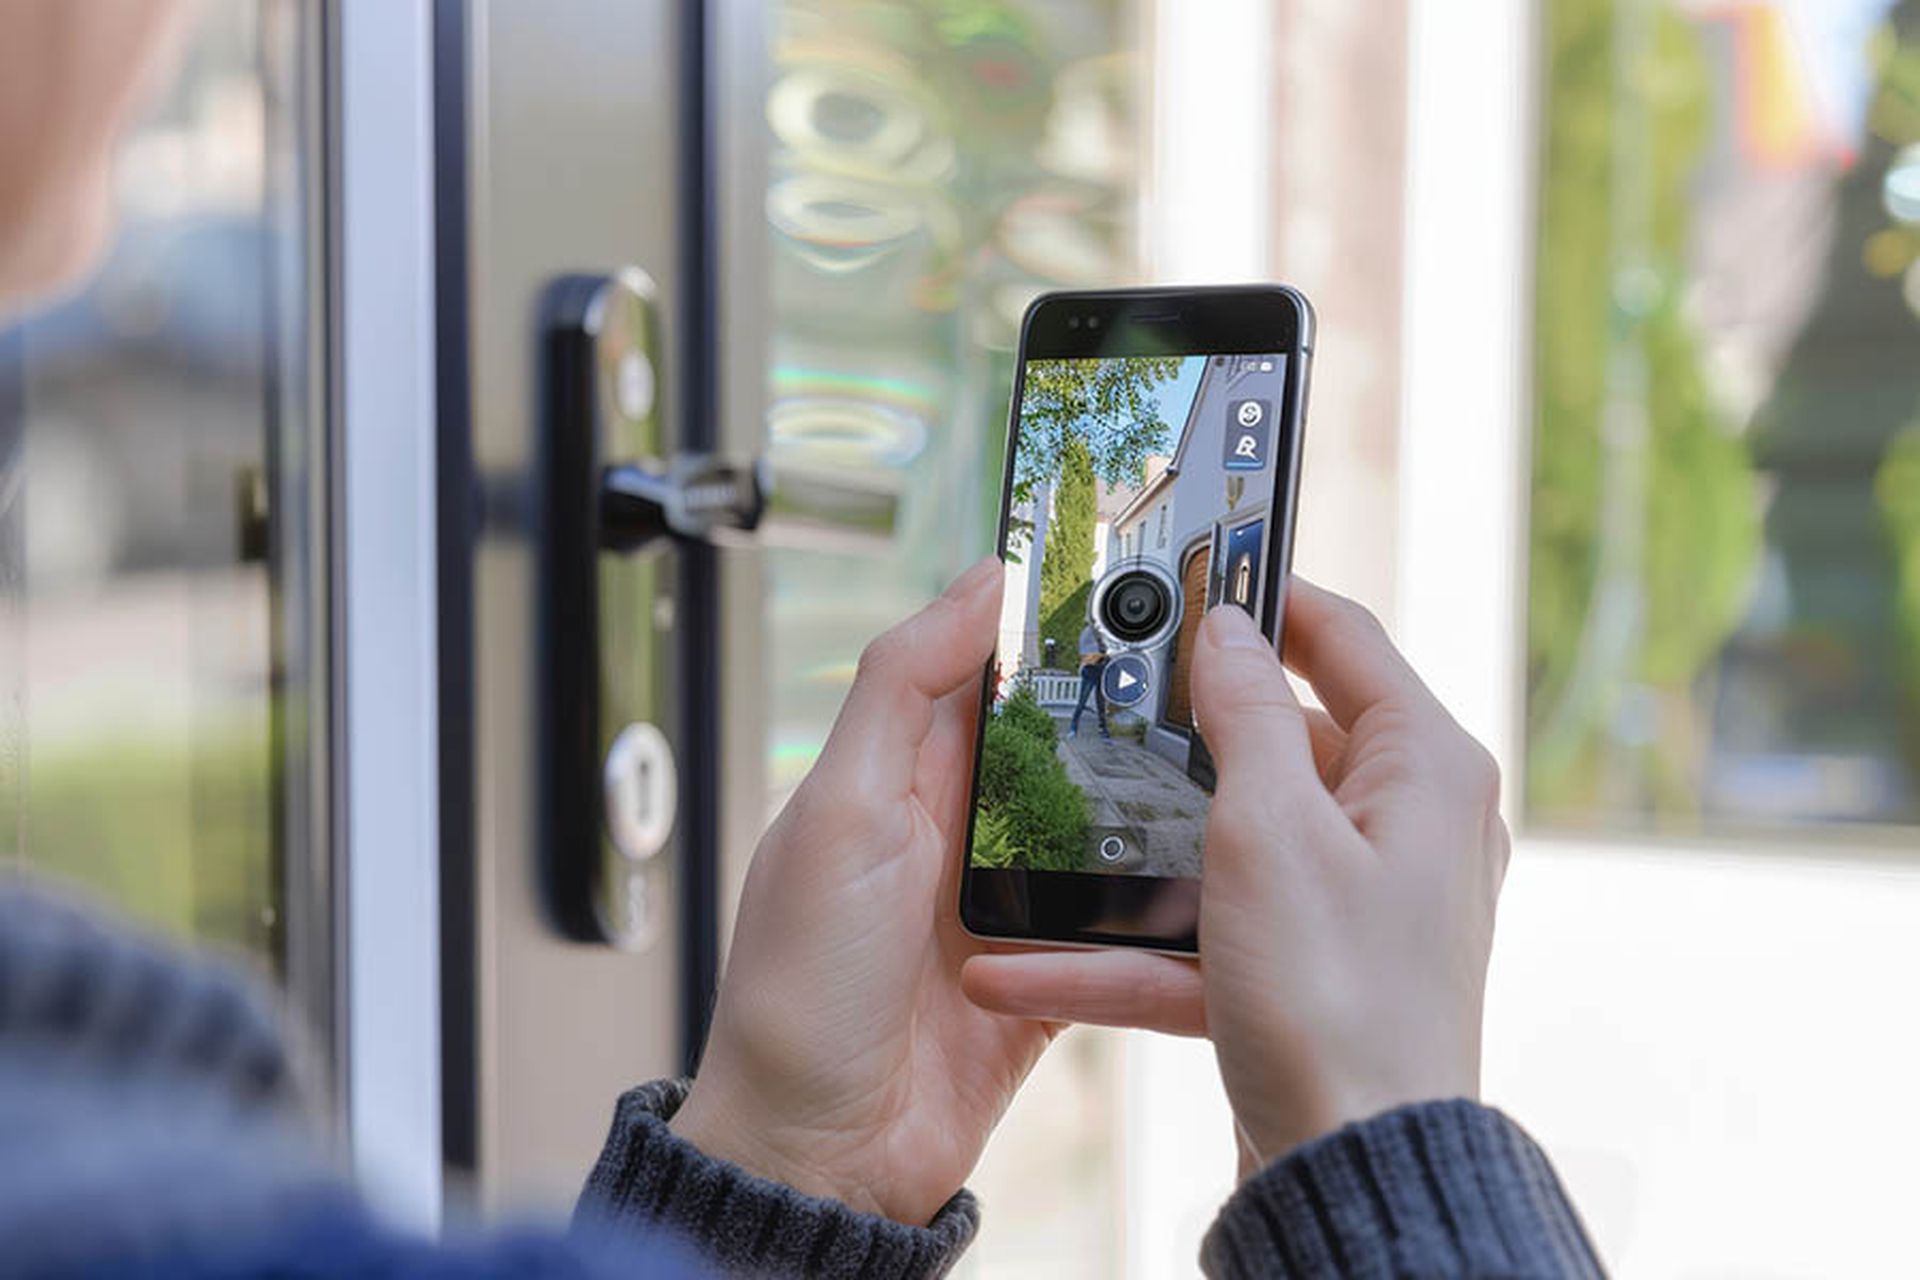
x=701, y=498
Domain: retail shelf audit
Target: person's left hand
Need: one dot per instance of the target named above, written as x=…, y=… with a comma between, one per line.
x=844, y=1060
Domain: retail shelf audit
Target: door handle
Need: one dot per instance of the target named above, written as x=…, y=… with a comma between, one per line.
x=615, y=504
x=766, y=503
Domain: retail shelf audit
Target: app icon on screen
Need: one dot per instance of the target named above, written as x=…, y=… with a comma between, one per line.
x=1246, y=435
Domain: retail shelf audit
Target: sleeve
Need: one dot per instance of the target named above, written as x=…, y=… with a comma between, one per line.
x=148, y=1126
x=1436, y=1189
x=649, y=1178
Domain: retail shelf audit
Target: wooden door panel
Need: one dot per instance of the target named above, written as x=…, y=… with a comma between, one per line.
x=1193, y=589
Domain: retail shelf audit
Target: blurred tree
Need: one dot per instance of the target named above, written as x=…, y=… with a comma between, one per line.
x=1896, y=117
x=1898, y=488
x=1643, y=534
x=1835, y=440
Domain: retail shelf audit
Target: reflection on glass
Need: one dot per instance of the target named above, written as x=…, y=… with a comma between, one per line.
x=933, y=167
x=1724, y=593
x=143, y=636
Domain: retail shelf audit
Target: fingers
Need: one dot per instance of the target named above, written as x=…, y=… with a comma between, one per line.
x=1101, y=988
x=1253, y=724
x=942, y=778
x=1345, y=654
x=1329, y=743
x=904, y=673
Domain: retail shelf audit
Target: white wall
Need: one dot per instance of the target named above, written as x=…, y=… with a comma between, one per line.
x=1720, y=1050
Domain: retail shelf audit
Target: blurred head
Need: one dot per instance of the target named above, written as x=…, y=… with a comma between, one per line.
x=72, y=75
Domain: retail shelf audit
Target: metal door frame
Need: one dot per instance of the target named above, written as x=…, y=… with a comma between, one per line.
x=382, y=329
x=301, y=470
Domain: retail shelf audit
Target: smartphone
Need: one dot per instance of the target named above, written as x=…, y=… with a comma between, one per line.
x=1153, y=462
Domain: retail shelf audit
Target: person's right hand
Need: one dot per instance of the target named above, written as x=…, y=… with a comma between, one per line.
x=1353, y=860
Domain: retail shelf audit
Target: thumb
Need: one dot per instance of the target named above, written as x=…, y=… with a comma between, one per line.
x=1252, y=723
x=905, y=673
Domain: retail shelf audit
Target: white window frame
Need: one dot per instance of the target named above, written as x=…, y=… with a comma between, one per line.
x=1467, y=328
x=383, y=209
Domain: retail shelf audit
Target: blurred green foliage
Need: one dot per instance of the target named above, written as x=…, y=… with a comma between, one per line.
x=1830, y=440
x=181, y=840
x=1644, y=518
x=1898, y=488
x=1894, y=116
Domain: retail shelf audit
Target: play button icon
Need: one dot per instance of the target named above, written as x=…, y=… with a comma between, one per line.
x=1126, y=679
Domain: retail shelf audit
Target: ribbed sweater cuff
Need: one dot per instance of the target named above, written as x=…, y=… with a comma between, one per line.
x=1436, y=1189
x=649, y=1176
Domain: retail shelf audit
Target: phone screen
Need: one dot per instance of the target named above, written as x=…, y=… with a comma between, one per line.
x=1143, y=490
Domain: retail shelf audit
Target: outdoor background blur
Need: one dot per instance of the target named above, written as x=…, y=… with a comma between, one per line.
x=1683, y=604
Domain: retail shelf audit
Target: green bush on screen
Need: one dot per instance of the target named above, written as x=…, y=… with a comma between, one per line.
x=1030, y=813
x=1023, y=712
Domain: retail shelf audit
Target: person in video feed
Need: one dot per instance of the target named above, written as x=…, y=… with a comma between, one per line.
x=1093, y=669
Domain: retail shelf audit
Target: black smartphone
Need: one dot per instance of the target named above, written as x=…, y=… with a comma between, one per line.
x=1153, y=461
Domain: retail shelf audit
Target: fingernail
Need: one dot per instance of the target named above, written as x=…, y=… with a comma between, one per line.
x=1230, y=627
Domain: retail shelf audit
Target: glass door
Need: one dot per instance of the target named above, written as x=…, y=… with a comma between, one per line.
x=162, y=554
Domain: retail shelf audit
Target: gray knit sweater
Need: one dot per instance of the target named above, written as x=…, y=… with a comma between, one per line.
x=147, y=1123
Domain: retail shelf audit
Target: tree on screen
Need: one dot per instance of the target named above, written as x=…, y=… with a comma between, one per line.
x=1106, y=405
x=1066, y=571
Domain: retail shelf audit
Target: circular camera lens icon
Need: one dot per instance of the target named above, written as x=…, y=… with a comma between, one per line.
x=1136, y=605
x=1250, y=413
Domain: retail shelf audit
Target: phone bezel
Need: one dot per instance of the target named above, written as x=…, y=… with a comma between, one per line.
x=1070, y=907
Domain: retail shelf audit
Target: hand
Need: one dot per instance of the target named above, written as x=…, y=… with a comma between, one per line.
x=844, y=1060
x=1353, y=860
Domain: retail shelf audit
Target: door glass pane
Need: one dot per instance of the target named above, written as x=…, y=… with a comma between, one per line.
x=141, y=744
x=1724, y=578
x=932, y=168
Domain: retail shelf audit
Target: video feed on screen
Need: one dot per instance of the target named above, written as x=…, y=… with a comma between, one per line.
x=1141, y=488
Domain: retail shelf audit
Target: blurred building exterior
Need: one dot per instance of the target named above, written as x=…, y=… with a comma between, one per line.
x=1726, y=376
